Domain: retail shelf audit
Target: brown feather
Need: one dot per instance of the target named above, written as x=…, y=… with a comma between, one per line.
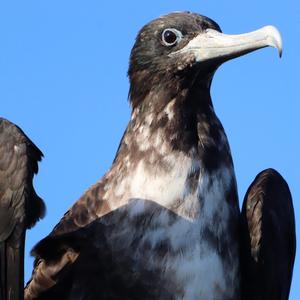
x=268, y=240
x=20, y=206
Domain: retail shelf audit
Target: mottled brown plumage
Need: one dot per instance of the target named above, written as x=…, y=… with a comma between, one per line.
x=159, y=89
x=163, y=222
x=20, y=206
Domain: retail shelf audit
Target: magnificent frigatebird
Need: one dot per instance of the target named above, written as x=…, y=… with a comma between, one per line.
x=164, y=221
x=20, y=206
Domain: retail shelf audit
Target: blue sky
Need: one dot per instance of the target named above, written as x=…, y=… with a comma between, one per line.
x=63, y=79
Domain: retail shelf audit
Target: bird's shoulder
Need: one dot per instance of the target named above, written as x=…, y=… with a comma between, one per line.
x=19, y=159
x=57, y=252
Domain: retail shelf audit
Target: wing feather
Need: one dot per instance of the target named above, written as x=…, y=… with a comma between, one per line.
x=20, y=206
x=268, y=241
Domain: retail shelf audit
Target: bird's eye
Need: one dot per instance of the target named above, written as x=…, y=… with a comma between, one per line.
x=171, y=36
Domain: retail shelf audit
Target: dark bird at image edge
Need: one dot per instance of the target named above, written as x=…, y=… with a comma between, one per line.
x=20, y=206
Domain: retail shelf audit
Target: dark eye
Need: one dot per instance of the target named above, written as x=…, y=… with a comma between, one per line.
x=171, y=36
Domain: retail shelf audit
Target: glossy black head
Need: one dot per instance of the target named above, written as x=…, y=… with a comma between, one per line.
x=152, y=60
x=185, y=46
x=160, y=38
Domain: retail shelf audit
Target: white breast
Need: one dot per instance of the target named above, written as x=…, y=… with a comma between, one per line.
x=195, y=264
x=155, y=184
x=199, y=268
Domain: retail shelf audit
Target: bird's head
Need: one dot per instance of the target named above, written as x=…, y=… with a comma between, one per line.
x=184, y=48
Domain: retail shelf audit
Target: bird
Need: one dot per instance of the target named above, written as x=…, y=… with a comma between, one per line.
x=20, y=206
x=164, y=222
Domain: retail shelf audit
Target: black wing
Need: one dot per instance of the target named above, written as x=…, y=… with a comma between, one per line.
x=268, y=241
x=95, y=262
x=20, y=206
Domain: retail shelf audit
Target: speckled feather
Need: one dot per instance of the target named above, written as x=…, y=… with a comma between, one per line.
x=163, y=222
x=174, y=154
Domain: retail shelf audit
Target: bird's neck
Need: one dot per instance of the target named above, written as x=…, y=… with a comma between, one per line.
x=180, y=119
x=169, y=142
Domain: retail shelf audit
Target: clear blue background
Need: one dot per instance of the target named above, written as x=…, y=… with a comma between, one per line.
x=63, y=79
